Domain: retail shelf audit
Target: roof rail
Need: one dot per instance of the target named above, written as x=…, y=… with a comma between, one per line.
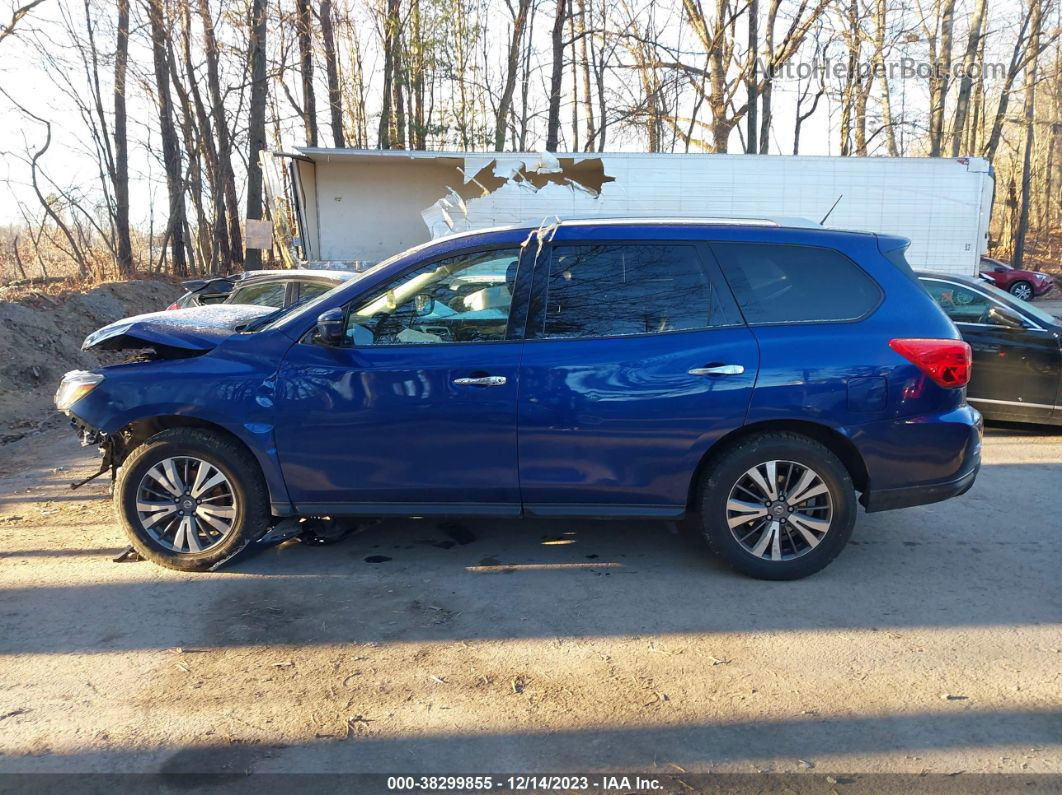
x=712, y=220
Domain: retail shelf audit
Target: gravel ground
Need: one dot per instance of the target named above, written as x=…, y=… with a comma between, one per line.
x=932, y=644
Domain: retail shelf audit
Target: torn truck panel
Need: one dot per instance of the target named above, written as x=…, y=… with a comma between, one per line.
x=199, y=328
x=475, y=164
x=521, y=189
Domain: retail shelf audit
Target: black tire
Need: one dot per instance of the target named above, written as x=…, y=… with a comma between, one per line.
x=1024, y=288
x=731, y=467
x=250, y=499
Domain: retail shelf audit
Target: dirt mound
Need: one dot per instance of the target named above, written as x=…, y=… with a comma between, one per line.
x=40, y=339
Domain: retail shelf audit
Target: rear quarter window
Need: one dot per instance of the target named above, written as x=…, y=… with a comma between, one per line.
x=776, y=283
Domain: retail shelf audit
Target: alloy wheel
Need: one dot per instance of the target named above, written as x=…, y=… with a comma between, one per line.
x=779, y=510
x=187, y=505
x=1022, y=291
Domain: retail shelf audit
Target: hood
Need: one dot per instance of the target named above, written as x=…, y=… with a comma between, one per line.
x=199, y=328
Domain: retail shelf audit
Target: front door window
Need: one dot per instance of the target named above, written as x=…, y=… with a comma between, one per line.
x=464, y=298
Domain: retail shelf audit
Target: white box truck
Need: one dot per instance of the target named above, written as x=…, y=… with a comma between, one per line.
x=365, y=205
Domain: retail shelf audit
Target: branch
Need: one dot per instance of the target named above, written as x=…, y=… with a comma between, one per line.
x=16, y=17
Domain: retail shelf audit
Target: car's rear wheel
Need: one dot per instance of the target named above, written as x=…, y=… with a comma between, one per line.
x=1022, y=290
x=778, y=506
x=190, y=499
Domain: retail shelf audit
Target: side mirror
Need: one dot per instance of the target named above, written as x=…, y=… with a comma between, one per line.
x=423, y=304
x=330, y=326
x=1005, y=317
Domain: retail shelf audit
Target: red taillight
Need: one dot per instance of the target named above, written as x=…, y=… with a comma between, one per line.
x=946, y=362
x=173, y=306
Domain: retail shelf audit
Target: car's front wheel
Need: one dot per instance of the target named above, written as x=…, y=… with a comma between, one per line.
x=190, y=499
x=778, y=506
x=1022, y=290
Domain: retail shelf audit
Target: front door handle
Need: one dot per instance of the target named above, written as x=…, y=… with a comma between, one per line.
x=719, y=369
x=487, y=380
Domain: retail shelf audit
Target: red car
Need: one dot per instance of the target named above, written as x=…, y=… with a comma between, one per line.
x=1020, y=284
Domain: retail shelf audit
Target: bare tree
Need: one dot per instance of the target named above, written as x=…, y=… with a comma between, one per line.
x=939, y=39
x=226, y=175
x=962, y=102
x=716, y=35
x=1022, y=228
x=121, y=145
x=335, y=96
x=501, y=118
x=391, y=24
x=556, y=75
x=751, y=85
x=880, y=26
x=171, y=153
x=256, y=142
x=17, y=16
x=304, y=33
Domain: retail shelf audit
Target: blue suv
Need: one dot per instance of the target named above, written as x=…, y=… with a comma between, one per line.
x=753, y=374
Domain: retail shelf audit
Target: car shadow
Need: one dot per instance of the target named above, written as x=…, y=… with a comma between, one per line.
x=981, y=560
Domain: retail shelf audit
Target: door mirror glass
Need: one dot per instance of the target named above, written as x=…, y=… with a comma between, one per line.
x=1005, y=317
x=330, y=325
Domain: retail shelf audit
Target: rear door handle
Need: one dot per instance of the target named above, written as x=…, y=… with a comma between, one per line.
x=487, y=380
x=719, y=369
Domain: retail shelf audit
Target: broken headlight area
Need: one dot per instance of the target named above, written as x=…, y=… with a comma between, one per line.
x=75, y=385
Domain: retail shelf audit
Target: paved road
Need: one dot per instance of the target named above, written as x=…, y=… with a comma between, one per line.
x=934, y=643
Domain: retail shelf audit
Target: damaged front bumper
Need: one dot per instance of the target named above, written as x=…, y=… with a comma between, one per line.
x=106, y=443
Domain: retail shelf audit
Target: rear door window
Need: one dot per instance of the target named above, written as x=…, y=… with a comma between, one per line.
x=615, y=290
x=268, y=294
x=308, y=290
x=776, y=283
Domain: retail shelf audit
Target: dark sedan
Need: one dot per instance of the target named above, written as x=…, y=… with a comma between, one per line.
x=1017, y=356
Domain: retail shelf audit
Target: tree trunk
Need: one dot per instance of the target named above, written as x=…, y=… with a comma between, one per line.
x=977, y=108
x=501, y=117
x=883, y=77
x=224, y=138
x=767, y=91
x=962, y=102
x=752, y=144
x=556, y=77
x=851, y=78
x=1004, y=96
x=940, y=77
x=304, y=33
x=588, y=102
x=575, y=85
x=389, y=45
x=219, y=248
x=121, y=145
x=335, y=96
x=256, y=120
x=171, y=154
x=1022, y=227
x=417, y=124
x=398, y=138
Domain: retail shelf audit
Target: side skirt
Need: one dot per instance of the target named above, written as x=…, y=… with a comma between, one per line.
x=400, y=509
